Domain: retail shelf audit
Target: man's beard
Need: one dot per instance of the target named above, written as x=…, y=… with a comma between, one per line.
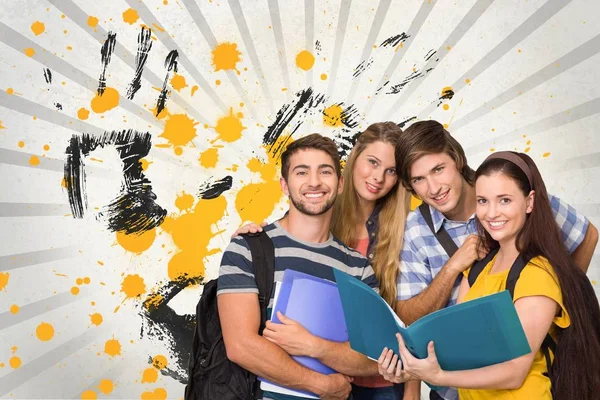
x=301, y=206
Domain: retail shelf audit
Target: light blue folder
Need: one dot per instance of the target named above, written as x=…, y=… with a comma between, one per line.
x=469, y=335
x=314, y=303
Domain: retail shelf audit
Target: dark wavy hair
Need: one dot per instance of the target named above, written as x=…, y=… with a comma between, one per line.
x=575, y=371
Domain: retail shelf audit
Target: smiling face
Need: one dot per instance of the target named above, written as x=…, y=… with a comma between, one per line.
x=312, y=183
x=374, y=172
x=437, y=181
x=502, y=207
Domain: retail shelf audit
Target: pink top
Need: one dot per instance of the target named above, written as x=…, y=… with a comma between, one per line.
x=368, y=381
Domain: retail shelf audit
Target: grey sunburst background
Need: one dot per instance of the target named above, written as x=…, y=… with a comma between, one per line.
x=500, y=74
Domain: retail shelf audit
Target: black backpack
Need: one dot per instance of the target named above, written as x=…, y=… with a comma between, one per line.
x=211, y=375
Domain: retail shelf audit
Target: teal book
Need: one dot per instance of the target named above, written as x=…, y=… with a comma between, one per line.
x=469, y=335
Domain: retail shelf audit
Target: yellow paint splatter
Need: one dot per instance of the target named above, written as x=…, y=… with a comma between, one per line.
x=545, y=155
x=218, y=82
x=194, y=88
x=133, y=286
x=136, y=243
x=74, y=290
x=414, y=202
x=446, y=107
x=230, y=127
x=14, y=362
x=44, y=331
x=209, y=158
x=333, y=115
x=107, y=101
x=157, y=394
x=527, y=149
x=106, y=386
x=178, y=151
x=3, y=279
x=83, y=113
x=34, y=161
x=86, y=280
x=89, y=395
x=46, y=147
x=178, y=82
x=184, y=202
x=112, y=347
x=130, y=16
x=225, y=56
x=145, y=164
x=14, y=309
x=153, y=301
x=29, y=52
x=492, y=149
x=79, y=281
x=305, y=60
x=323, y=77
x=467, y=80
x=159, y=361
x=179, y=129
x=21, y=143
x=92, y=22
x=96, y=319
x=150, y=375
x=1, y=126
x=38, y=28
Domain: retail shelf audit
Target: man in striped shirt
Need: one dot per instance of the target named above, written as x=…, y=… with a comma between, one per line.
x=310, y=170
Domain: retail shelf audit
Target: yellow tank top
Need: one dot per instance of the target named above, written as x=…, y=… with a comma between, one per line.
x=537, y=279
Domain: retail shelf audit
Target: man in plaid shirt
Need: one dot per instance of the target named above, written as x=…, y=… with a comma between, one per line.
x=433, y=166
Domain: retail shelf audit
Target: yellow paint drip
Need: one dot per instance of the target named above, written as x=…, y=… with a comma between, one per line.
x=209, y=158
x=38, y=28
x=150, y=375
x=178, y=82
x=225, y=56
x=29, y=52
x=305, y=60
x=44, y=331
x=106, y=386
x=3, y=279
x=83, y=113
x=332, y=116
x=157, y=394
x=159, y=361
x=194, y=88
x=96, y=319
x=108, y=101
x=112, y=347
x=136, y=243
x=179, y=129
x=230, y=127
x=130, y=16
x=133, y=286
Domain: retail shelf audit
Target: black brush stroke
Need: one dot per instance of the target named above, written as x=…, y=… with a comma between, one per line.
x=135, y=210
x=430, y=54
x=447, y=94
x=394, y=40
x=347, y=116
x=318, y=46
x=171, y=65
x=380, y=88
x=406, y=121
x=362, y=67
x=144, y=47
x=48, y=75
x=212, y=190
x=106, y=53
x=395, y=89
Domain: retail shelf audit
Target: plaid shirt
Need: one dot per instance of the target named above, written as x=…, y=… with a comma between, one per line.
x=423, y=257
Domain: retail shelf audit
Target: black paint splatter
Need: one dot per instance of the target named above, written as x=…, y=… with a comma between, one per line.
x=48, y=75
x=212, y=190
x=347, y=116
x=106, y=52
x=394, y=40
x=406, y=121
x=58, y=106
x=144, y=47
x=395, y=89
x=135, y=209
x=382, y=86
x=171, y=65
x=318, y=47
x=345, y=142
x=362, y=67
x=447, y=94
x=429, y=54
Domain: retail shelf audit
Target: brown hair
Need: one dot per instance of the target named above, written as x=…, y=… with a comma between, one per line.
x=313, y=141
x=429, y=137
x=392, y=216
x=574, y=371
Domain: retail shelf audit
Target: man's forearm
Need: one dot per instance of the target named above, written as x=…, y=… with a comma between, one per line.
x=341, y=358
x=433, y=298
x=582, y=256
x=267, y=360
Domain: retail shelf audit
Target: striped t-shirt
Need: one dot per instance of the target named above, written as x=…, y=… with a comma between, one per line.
x=236, y=274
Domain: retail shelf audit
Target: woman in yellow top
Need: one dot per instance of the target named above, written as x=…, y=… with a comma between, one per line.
x=551, y=295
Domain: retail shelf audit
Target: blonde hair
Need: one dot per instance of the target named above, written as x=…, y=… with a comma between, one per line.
x=392, y=217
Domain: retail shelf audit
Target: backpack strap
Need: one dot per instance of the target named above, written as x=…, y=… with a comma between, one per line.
x=478, y=266
x=442, y=235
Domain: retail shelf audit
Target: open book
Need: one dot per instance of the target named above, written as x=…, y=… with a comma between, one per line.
x=469, y=335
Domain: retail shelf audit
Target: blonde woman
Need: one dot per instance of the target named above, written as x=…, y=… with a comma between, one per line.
x=369, y=216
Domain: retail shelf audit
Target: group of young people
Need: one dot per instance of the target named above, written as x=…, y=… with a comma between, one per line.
x=359, y=221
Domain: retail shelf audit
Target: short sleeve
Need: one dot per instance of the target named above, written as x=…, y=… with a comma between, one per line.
x=538, y=279
x=369, y=278
x=236, y=273
x=415, y=274
x=573, y=225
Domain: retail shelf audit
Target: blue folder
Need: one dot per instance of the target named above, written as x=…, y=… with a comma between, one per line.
x=314, y=303
x=469, y=335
